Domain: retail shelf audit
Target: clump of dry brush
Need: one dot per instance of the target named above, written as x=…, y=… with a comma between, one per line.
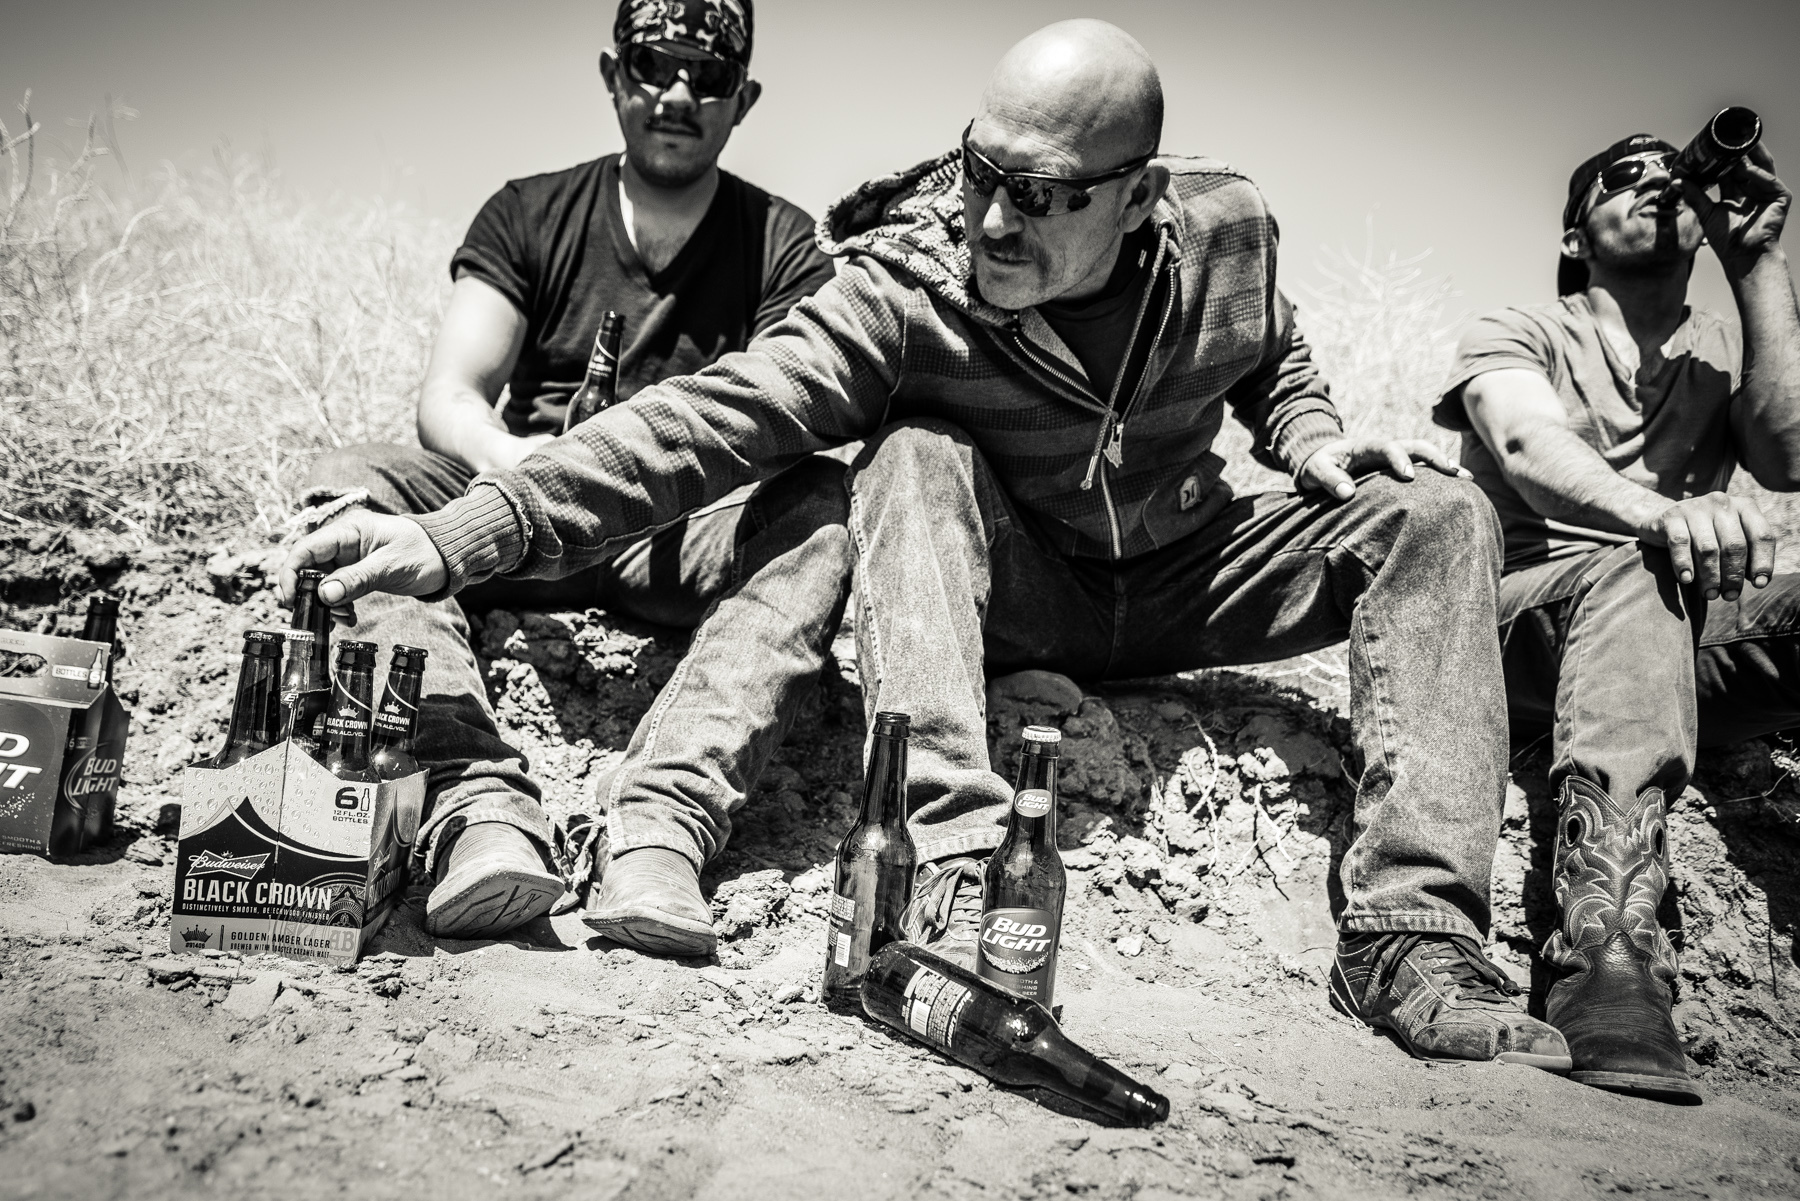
x=173, y=350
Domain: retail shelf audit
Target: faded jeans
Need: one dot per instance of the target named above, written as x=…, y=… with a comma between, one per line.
x=769, y=564
x=1635, y=671
x=954, y=578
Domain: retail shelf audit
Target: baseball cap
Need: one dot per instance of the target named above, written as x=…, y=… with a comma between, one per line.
x=721, y=28
x=1572, y=274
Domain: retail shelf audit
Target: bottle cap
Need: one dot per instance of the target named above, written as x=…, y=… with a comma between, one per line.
x=308, y=577
x=102, y=603
x=1045, y=734
x=359, y=650
x=301, y=636
x=408, y=658
x=893, y=724
x=263, y=644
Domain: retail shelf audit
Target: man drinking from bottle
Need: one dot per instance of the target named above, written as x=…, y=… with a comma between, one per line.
x=1038, y=333
x=698, y=262
x=1605, y=427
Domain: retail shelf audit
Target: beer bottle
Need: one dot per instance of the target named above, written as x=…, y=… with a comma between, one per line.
x=397, y=720
x=1022, y=892
x=102, y=625
x=314, y=616
x=875, y=865
x=600, y=387
x=345, y=748
x=256, y=714
x=1004, y=1037
x=305, y=689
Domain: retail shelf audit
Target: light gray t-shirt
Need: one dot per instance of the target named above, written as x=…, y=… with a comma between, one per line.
x=1669, y=431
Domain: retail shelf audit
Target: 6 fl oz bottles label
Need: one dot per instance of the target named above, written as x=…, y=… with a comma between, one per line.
x=1017, y=951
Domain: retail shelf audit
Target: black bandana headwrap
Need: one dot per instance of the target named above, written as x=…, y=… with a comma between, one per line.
x=721, y=28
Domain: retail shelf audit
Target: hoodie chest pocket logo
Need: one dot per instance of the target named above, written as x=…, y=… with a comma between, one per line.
x=1190, y=492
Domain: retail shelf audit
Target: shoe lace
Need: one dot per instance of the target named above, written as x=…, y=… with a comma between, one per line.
x=949, y=899
x=1457, y=959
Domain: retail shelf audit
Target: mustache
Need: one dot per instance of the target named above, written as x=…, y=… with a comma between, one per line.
x=1012, y=246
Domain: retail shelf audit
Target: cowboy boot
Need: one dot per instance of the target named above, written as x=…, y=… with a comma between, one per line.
x=1612, y=1000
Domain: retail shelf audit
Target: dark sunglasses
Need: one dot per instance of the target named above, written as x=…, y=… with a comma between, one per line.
x=1626, y=172
x=1033, y=194
x=707, y=78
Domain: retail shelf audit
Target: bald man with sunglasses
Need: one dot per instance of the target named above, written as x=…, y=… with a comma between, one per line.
x=1038, y=334
x=1640, y=607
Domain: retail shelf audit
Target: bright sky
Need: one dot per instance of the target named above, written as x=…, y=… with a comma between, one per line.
x=1451, y=125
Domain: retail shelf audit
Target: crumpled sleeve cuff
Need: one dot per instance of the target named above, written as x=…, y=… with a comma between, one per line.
x=1296, y=441
x=479, y=535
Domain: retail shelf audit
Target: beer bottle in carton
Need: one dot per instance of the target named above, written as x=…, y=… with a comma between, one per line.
x=1006, y=1038
x=875, y=865
x=1022, y=891
x=256, y=713
x=345, y=748
x=305, y=689
x=397, y=718
x=600, y=388
x=90, y=773
x=312, y=615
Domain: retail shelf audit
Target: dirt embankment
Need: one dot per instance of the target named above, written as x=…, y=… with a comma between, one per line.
x=1202, y=818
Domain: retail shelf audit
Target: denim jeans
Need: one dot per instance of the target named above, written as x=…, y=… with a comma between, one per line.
x=770, y=564
x=1635, y=671
x=952, y=577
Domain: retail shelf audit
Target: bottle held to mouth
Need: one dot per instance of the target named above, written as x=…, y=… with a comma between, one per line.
x=1729, y=136
x=873, y=880
x=600, y=388
x=1023, y=889
x=1004, y=1037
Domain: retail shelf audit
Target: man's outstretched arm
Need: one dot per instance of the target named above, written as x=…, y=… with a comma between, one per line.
x=822, y=377
x=1716, y=539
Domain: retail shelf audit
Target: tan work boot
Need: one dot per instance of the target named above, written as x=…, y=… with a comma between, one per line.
x=650, y=901
x=491, y=880
x=1442, y=998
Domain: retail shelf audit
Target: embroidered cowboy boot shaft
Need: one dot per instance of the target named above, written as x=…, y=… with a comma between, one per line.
x=1612, y=1001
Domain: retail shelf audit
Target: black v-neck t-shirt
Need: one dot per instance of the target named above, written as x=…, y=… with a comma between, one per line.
x=1098, y=328
x=557, y=247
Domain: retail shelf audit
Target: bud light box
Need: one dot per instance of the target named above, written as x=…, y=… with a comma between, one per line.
x=62, y=739
x=277, y=855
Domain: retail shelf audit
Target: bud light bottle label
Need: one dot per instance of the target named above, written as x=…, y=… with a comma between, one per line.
x=1017, y=951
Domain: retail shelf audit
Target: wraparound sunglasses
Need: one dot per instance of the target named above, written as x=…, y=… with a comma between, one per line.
x=1033, y=194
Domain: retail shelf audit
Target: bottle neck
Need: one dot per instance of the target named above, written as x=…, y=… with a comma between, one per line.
x=884, y=789
x=347, y=723
x=256, y=715
x=397, y=720
x=1036, y=788
x=103, y=626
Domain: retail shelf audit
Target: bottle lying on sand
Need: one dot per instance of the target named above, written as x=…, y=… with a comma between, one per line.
x=1006, y=1038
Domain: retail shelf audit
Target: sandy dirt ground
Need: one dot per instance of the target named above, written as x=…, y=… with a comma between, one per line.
x=1202, y=817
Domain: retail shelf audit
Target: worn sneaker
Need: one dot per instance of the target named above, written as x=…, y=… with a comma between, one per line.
x=491, y=880
x=945, y=914
x=1442, y=998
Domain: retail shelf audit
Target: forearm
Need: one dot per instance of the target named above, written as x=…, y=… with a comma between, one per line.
x=459, y=423
x=1766, y=414
x=1563, y=479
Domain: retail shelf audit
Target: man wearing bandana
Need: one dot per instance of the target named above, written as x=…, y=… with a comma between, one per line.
x=698, y=262
x=1605, y=427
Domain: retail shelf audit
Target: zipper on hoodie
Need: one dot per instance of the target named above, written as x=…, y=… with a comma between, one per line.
x=1110, y=441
